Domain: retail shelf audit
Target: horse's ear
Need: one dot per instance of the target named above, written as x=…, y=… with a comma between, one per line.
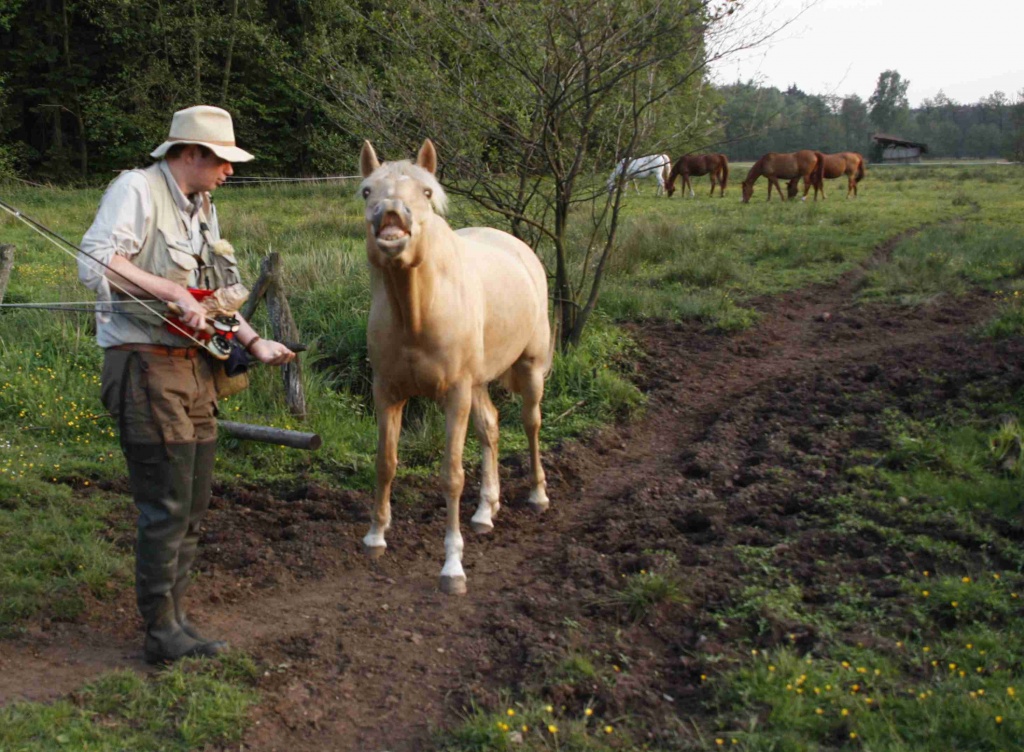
x=368, y=160
x=427, y=158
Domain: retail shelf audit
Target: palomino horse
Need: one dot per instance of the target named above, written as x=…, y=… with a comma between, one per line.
x=653, y=165
x=799, y=164
x=848, y=163
x=450, y=311
x=717, y=165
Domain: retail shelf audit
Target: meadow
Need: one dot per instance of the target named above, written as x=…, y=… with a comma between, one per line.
x=952, y=232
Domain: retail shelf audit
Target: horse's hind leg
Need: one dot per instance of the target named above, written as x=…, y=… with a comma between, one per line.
x=530, y=382
x=389, y=425
x=456, y=412
x=485, y=421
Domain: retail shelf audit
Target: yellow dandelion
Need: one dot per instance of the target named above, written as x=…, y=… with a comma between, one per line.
x=552, y=728
x=924, y=593
x=719, y=742
x=771, y=668
x=999, y=719
x=588, y=712
x=819, y=711
x=549, y=708
x=510, y=712
x=1011, y=691
x=525, y=728
x=853, y=734
x=608, y=729
x=844, y=712
x=965, y=580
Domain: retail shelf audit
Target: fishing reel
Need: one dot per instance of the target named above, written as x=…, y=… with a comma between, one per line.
x=220, y=329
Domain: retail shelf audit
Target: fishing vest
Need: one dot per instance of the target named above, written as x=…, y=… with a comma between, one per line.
x=167, y=250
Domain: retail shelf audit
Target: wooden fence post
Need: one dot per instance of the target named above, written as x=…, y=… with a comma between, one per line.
x=6, y=264
x=282, y=324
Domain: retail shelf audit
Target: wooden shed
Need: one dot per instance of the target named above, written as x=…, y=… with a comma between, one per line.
x=896, y=149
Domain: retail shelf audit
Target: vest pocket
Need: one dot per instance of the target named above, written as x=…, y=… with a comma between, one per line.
x=184, y=263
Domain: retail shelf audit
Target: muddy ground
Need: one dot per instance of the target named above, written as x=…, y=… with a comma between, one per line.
x=744, y=439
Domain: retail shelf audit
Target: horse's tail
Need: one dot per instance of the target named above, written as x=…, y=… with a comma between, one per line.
x=818, y=174
x=860, y=170
x=725, y=171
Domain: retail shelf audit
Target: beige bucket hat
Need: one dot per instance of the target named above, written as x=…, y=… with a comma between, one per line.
x=209, y=126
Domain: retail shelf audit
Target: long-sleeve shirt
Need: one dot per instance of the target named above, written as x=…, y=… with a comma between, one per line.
x=120, y=227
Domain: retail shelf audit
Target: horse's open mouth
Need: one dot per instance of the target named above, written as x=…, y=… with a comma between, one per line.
x=391, y=229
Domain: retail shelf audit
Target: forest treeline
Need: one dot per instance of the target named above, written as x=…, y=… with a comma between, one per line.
x=87, y=88
x=756, y=119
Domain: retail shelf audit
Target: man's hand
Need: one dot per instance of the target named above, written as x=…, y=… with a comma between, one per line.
x=190, y=311
x=270, y=352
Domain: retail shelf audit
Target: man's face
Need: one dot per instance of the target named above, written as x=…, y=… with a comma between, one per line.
x=207, y=172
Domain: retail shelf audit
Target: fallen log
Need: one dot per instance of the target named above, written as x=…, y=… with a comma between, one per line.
x=269, y=435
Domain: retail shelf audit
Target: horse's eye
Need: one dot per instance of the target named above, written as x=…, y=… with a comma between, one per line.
x=427, y=192
x=366, y=192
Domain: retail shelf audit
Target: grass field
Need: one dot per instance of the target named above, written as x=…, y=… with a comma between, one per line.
x=704, y=260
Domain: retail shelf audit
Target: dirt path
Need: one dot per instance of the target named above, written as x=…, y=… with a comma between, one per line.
x=365, y=655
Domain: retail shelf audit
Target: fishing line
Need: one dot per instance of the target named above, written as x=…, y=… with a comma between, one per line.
x=53, y=237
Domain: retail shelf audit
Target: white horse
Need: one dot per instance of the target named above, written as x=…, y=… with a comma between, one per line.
x=450, y=311
x=656, y=165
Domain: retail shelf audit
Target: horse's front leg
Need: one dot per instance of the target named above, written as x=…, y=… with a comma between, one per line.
x=775, y=182
x=485, y=421
x=389, y=426
x=458, y=402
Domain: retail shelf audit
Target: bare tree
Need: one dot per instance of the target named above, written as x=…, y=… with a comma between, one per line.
x=533, y=103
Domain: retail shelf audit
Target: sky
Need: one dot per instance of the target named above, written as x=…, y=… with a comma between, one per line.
x=967, y=49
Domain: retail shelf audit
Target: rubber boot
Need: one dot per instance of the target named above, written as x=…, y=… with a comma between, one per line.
x=161, y=480
x=202, y=484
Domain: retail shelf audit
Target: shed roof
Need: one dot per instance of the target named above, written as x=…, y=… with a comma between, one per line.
x=887, y=140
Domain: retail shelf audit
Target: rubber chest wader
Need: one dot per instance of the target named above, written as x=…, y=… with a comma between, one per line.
x=171, y=471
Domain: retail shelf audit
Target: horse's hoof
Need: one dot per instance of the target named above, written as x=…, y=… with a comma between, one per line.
x=374, y=552
x=481, y=528
x=538, y=506
x=453, y=585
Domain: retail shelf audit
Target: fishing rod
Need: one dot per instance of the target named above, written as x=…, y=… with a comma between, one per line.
x=215, y=337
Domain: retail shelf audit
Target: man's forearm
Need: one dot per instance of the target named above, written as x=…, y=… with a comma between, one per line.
x=125, y=276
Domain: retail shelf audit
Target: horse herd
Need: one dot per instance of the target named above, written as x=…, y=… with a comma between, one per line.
x=813, y=167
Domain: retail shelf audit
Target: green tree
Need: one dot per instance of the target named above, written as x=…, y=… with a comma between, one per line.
x=888, y=103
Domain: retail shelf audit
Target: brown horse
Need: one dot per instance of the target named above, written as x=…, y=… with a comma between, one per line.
x=800, y=164
x=848, y=163
x=717, y=165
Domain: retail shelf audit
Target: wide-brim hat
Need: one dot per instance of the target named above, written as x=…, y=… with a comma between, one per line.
x=207, y=126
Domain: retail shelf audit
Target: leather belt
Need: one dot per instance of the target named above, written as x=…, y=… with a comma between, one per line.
x=174, y=352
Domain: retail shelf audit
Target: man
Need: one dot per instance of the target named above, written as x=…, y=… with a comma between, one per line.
x=155, y=235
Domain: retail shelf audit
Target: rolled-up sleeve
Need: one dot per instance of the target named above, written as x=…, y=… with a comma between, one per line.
x=119, y=227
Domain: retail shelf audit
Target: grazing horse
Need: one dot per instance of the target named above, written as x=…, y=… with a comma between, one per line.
x=717, y=165
x=653, y=165
x=800, y=164
x=848, y=163
x=450, y=312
